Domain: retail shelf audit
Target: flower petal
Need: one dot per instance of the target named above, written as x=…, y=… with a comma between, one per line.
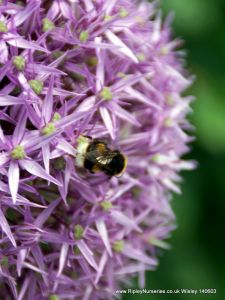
x=106, y=117
x=70, y=119
x=123, y=114
x=100, y=72
x=5, y=68
x=137, y=254
x=87, y=253
x=3, y=52
x=44, y=215
x=18, y=41
x=25, y=13
x=122, y=46
x=34, y=168
x=20, y=127
x=46, y=156
x=4, y=158
x=6, y=228
x=122, y=219
x=20, y=260
x=66, y=147
x=109, y=5
x=48, y=102
x=7, y=100
x=102, y=264
x=65, y=9
x=62, y=258
x=101, y=227
x=89, y=5
x=14, y=179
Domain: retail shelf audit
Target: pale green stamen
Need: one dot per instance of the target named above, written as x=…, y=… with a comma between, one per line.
x=84, y=35
x=118, y=246
x=36, y=86
x=107, y=18
x=78, y=232
x=56, y=54
x=164, y=51
x=141, y=57
x=53, y=297
x=92, y=61
x=156, y=158
x=59, y=163
x=76, y=76
x=48, y=129
x=106, y=94
x=123, y=13
x=47, y=25
x=3, y=27
x=168, y=122
x=4, y=262
x=170, y=100
x=18, y=152
x=120, y=74
x=19, y=62
x=56, y=117
x=106, y=205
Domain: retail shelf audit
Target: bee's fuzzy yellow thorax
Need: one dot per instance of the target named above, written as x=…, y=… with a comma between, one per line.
x=83, y=143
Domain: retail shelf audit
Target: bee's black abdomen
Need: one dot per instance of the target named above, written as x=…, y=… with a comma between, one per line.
x=117, y=165
x=88, y=164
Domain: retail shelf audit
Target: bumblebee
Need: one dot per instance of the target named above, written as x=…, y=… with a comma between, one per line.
x=95, y=156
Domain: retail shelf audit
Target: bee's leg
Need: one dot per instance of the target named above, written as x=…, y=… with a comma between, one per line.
x=96, y=169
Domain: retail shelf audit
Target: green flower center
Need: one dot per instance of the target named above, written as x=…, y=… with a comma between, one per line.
x=168, y=122
x=4, y=262
x=47, y=25
x=53, y=297
x=78, y=232
x=141, y=57
x=123, y=13
x=120, y=74
x=106, y=205
x=76, y=76
x=156, y=158
x=18, y=152
x=92, y=61
x=106, y=93
x=84, y=35
x=36, y=86
x=3, y=27
x=19, y=62
x=59, y=163
x=136, y=191
x=48, y=129
x=118, y=246
x=107, y=18
x=56, y=117
x=76, y=250
x=164, y=51
x=56, y=54
x=170, y=100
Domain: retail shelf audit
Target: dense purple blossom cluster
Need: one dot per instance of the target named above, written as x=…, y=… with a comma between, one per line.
x=107, y=69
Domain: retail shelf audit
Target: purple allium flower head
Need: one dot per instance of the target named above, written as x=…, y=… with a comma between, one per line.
x=106, y=69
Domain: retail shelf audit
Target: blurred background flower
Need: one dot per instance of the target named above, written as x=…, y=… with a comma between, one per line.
x=197, y=256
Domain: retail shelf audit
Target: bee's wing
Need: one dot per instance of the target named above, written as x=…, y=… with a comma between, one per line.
x=101, y=158
x=106, y=158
